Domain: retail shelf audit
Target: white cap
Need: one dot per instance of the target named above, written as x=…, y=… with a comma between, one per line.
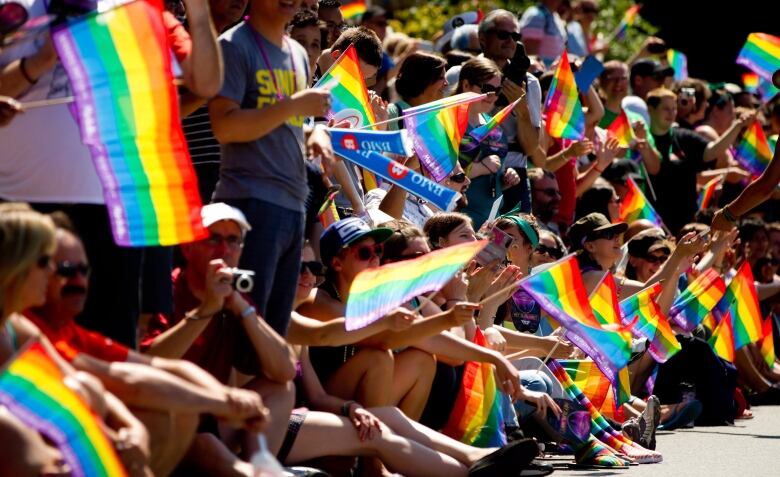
x=465, y=18
x=213, y=213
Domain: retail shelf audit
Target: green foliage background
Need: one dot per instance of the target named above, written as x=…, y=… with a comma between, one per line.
x=424, y=19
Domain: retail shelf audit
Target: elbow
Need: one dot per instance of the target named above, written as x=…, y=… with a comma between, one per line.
x=221, y=131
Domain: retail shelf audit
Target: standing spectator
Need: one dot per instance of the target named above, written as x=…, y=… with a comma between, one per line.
x=546, y=198
x=581, y=40
x=544, y=33
x=613, y=83
x=646, y=75
x=258, y=117
x=329, y=11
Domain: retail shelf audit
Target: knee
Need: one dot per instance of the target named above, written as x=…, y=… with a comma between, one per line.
x=535, y=382
x=378, y=361
x=423, y=362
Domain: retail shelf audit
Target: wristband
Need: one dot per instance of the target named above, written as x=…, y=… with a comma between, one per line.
x=248, y=311
x=23, y=71
x=345, y=407
x=728, y=215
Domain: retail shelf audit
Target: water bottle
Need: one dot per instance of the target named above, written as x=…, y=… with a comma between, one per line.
x=264, y=463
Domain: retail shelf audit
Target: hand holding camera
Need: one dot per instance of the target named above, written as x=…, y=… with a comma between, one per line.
x=218, y=286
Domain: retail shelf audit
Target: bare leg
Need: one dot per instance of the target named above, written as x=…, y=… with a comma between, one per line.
x=328, y=434
x=365, y=377
x=209, y=456
x=748, y=372
x=412, y=379
x=639, y=371
x=170, y=435
x=279, y=399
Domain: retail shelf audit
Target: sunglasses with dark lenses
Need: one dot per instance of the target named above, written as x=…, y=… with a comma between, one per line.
x=606, y=235
x=458, y=178
x=489, y=88
x=70, y=270
x=314, y=267
x=505, y=35
x=552, y=252
x=43, y=261
x=655, y=259
x=367, y=252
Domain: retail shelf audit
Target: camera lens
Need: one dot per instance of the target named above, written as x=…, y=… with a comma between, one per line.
x=244, y=283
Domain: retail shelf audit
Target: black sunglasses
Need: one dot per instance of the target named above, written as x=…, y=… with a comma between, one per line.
x=367, y=252
x=553, y=252
x=505, y=35
x=489, y=88
x=70, y=270
x=655, y=259
x=458, y=178
x=314, y=267
x=606, y=235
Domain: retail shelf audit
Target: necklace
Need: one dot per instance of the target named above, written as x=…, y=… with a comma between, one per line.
x=277, y=85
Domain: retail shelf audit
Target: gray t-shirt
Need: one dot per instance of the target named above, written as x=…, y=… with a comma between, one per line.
x=270, y=168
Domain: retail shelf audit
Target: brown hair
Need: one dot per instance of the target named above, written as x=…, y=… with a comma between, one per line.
x=399, y=241
x=418, y=71
x=655, y=96
x=477, y=71
x=442, y=224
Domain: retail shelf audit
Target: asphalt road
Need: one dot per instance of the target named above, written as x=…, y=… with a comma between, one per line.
x=747, y=449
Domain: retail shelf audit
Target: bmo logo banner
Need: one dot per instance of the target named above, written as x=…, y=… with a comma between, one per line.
x=349, y=142
x=397, y=170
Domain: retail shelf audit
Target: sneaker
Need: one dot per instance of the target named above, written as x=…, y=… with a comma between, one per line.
x=648, y=422
x=631, y=429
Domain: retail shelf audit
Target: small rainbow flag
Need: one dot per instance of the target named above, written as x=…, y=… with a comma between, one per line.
x=722, y=339
x=606, y=308
x=679, y=62
x=119, y=65
x=437, y=129
x=560, y=292
x=741, y=302
x=750, y=82
x=635, y=206
x=708, y=192
x=697, y=301
x=621, y=130
x=328, y=213
x=767, y=89
x=652, y=325
x=597, y=388
x=32, y=389
x=761, y=53
x=562, y=109
x=477, y=419
x=629, y=18
x=348, y=91
x=753, y=151
x=479, y=134
x=353, y=10
x=767, y=344
x=376, y=291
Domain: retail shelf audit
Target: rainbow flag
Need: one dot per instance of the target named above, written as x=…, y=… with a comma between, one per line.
x=767, y=89
x=635, y=206
x=32, y=389
x=353, y=10
x=476, y=418
x=750, y=82
x=693, y=305
x=629, y=18
x=597, y=388
x=707, y=193
x=621, y=130
x=437, y=129
x=753, y=151
x=767, y=343
x=679, y=62
x=348, y=92
x=652, y=325
x=722, y=339
x=479, y=134
x=328, y=214
x=741, y=302
x=761, y=53
x=377, y=291
x=119, y=65
x=606, y=308
x=563, y=112
x=560, y=292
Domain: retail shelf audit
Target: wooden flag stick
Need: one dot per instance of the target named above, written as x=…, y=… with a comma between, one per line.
x=46, y=102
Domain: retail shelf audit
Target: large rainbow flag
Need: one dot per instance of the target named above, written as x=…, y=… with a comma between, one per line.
x=635, y=206
x=606, y=397
x=652, y=325
x=761, y=53
x=32, y=389
x=119, y=65
x=562, y=108
x=697, y=301
x=376, y=291
x=767, y=343
x=740, y=301
x=753, y=151
x=476, y=418
x=621, y=130
x=437, y=129
x=560, y=292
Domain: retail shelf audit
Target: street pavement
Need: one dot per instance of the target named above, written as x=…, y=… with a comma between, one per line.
x=748, y=449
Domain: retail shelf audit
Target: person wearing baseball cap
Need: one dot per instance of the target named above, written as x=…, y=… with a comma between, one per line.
x=466, y=18
x=648, y=251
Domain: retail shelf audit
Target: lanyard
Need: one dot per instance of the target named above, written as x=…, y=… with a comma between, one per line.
x=279, y=94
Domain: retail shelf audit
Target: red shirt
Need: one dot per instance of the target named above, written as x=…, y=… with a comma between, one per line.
x=567, y=185
x=178, y=38
x=71, y=339
x=222, y=345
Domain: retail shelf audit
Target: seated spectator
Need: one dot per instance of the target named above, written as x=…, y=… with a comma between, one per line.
x=447, y=229
x=546, y=198
x=600, y=197
x=549, y=250
x=647, y=252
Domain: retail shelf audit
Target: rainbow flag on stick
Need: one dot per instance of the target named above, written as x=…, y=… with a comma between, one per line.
x=679, y=62
x=353, y=10
x=635, y=206
x=437, y=129
x=119, y=65
x=597, y=388
x=629, y=18
x=753, y=151
x=621, y=130
x=693, y=305
x=328, y=213
x=708, y=192
x=740, y=301
x=722, y=339
x=32, y=389
x=761, y=53
x=560, y=292
x=477, y=419
x=750, y=82
x=376, y=291
x=479, y=134
x=652, y=325
x=767, y=343
x=562, y=109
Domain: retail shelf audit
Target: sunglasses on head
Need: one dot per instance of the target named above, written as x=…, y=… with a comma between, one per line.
x=367, y=252
x=458, y=178
x=655, y=259
x=506, y=34
x=552, y=252
x=70, y=270
x=489, y=88
x=314, y=267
